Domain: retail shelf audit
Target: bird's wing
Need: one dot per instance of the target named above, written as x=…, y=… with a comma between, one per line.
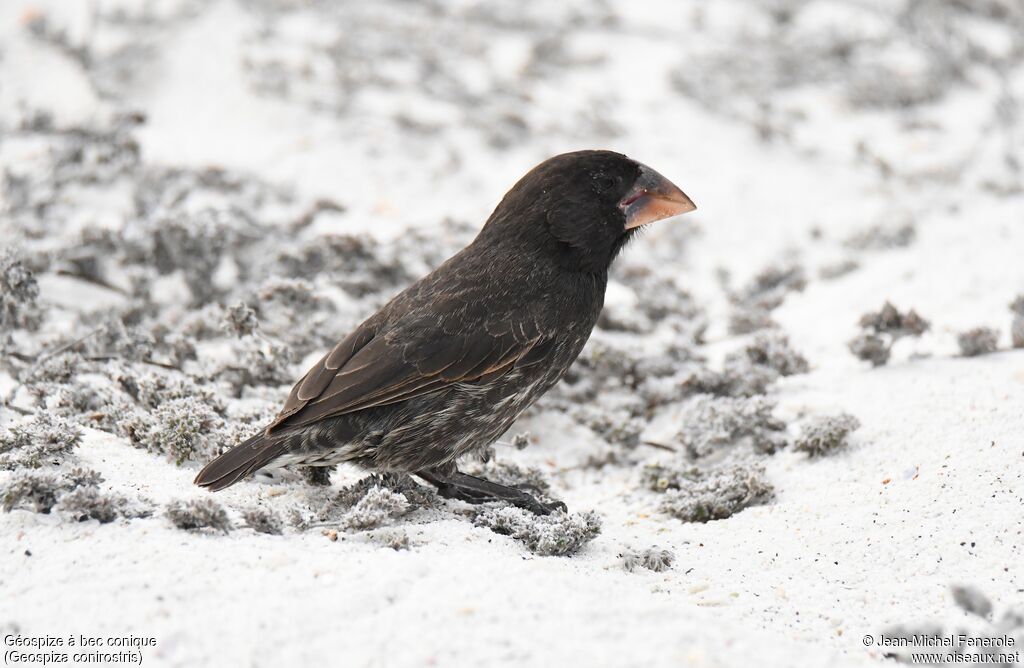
x=375, y=366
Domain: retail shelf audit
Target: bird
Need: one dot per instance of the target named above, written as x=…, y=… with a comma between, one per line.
x=444, y=368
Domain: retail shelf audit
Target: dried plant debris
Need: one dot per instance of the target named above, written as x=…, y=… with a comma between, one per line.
x=558, y=534
x=772, y=349
x=871, y=348
x=43, y=440
x=137, y=368
x=890, y=321
x=838, y=269
x=334, y=75
x=653, y=559
x=657, y=302
x=240, y=320
x=194, y=245
x=745, y=373
x=739, y=377
x=879, y=331
x=74, y=493
x=718, y=492
x=978, y=341
x=613, y=390
x=664, y=476
x=89, y=503
x=375, y=500
x=824, y=434
x=882, y=237
x=198, y=514
x=19, y=292
x=263, y=520
x=747, y=318
x=771, y=285
x=899, y=55
x=753, y=304
x=710, y=424
x=606, y=365
x=37, y=491
x=616, y=427
x=183, y=429
x=378, y=506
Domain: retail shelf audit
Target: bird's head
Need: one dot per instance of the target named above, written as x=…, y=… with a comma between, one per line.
x=582, y=207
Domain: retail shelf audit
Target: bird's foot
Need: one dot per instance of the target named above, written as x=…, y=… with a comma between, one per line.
x=471, y=489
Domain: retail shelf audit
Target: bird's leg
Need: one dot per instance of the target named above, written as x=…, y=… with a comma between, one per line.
x=465, y=487
x=449, y=490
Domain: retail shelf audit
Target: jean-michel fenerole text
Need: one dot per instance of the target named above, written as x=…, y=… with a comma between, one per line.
x=950, y=640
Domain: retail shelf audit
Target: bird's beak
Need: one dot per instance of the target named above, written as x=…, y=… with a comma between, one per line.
x=653, y=198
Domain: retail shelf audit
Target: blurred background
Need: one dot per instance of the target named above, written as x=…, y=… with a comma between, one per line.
x=781, y=118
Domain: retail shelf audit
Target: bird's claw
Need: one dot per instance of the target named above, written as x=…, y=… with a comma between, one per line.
x=540, y=508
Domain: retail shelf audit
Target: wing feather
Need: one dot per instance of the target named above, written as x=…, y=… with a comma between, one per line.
x=371, y=368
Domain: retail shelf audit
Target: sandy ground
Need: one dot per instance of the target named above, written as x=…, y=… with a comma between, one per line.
x=928, y=495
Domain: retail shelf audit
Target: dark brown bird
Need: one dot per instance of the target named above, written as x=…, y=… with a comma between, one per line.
x=447, y=365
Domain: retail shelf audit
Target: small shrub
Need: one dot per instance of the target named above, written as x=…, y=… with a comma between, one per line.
x=37, y=491
x=183, y=429
x=711, y=423
x=196, y=514
x=871, y=348
x=557, y=534
x=416, y=496
x=889, y=320
x=239, y=320
x=825, y=434
x=75, y=493
x=719, y=493
x=772, y=349
x=978, y=341
x=262, y=520
x=882, y=237
x=882, y=329
x=89, y=503
x=44, y=439
x=770, y=286
x=653, y=559
x=838, y=269
x=753, y=304
x=378, y=506
x=739, y=377
x=747, y=318
x=18, y=293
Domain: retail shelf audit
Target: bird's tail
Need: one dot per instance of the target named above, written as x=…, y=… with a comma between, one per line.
x=240, y=461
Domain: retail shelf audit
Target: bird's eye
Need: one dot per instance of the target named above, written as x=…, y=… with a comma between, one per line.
x=604, y=183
